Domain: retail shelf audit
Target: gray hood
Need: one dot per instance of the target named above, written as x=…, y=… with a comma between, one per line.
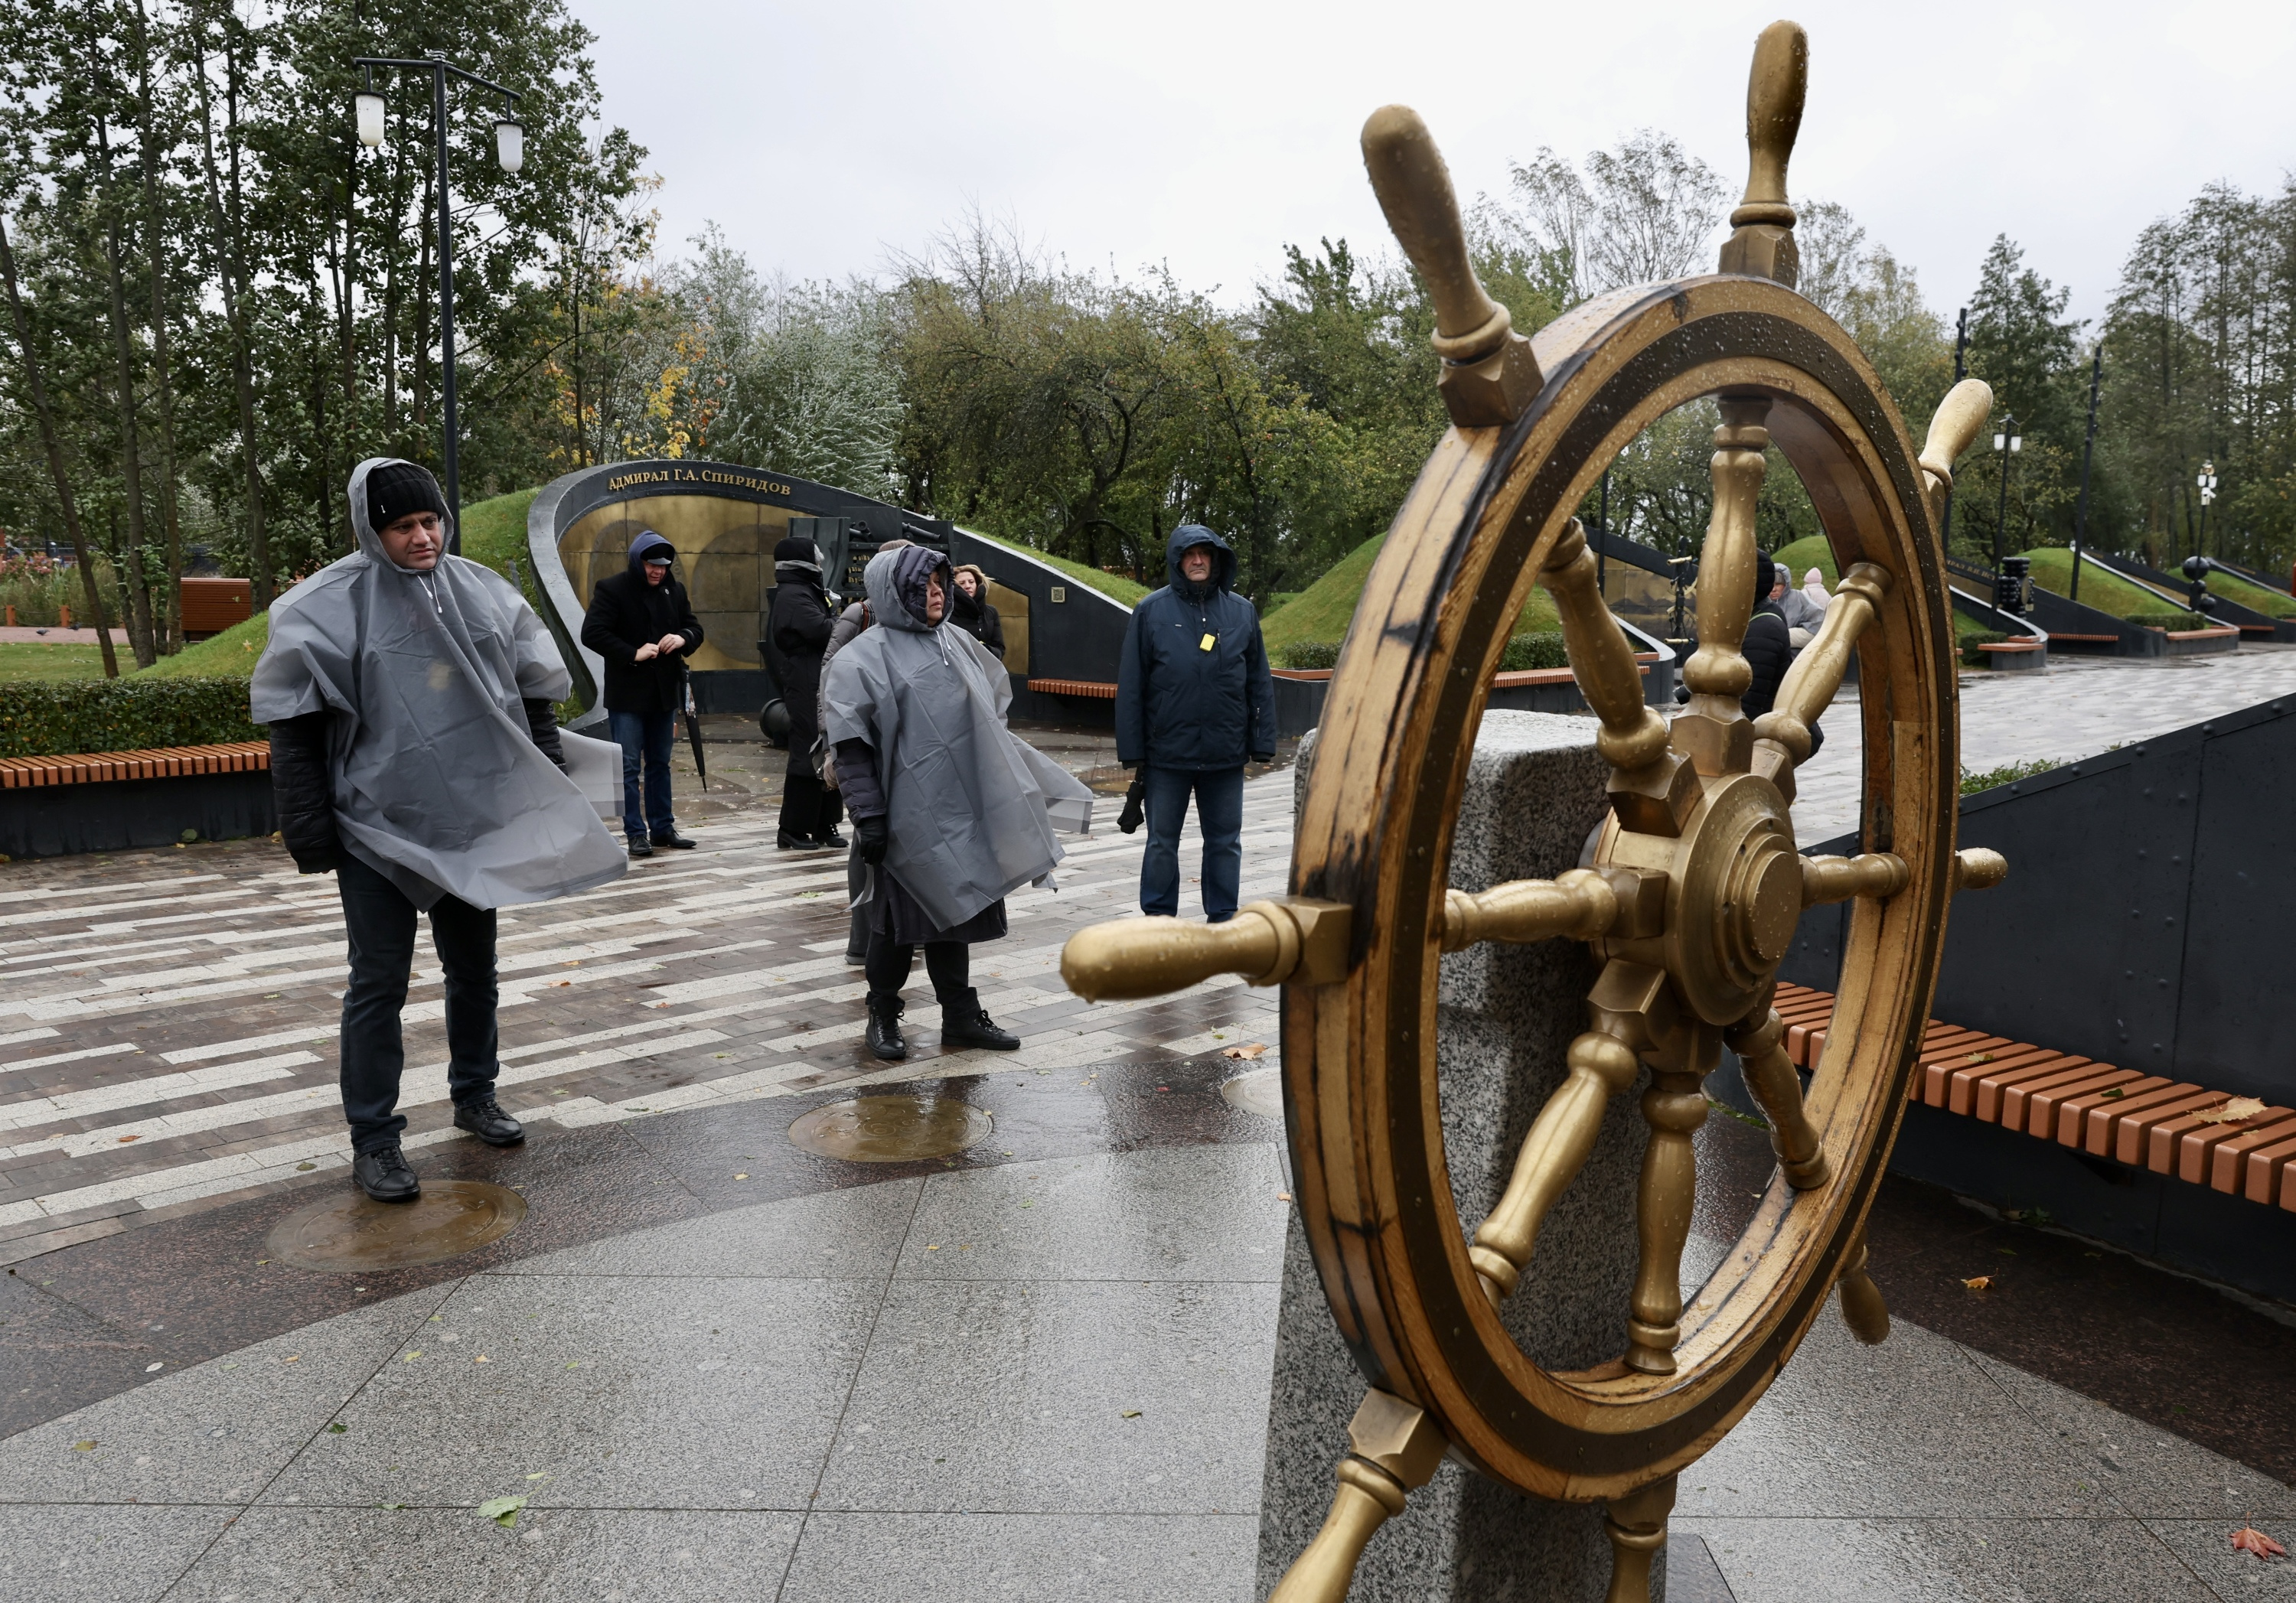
x=437, y=783
x=972, y=811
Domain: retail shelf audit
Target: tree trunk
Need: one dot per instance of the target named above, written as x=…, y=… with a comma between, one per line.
x=129, y=565
x=123, y=353
x=230, y=277
x=37, y=384
x=169, y=633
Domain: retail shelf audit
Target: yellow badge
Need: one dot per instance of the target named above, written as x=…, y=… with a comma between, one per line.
x=1207, y=642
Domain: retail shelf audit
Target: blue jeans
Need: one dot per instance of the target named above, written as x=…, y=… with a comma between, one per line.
x=381, y=922
x=1219, y=813
x=645, y=738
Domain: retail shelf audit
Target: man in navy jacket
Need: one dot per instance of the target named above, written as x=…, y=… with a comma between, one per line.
x=1194, y=701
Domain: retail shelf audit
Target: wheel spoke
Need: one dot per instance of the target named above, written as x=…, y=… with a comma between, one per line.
x=1809, y=685
x=1652, y=789
x=1877, y=874
x=1713, y=732
x=1955, y=424
x=1636, y=1524
x=1675, y=1106
x=1602, y=1066
x=1394, y=1449
x=1581, y=905
x=1770, y=1076
x=1862, y=1307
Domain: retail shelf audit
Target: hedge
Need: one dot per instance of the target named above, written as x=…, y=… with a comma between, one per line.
x=1523, y=651
x=122, y=715
x=2168, y=620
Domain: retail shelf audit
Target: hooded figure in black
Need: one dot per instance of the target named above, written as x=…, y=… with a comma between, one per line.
x=798, y=626
x=1194, y=702
x=1769, y=649
x=642, y=624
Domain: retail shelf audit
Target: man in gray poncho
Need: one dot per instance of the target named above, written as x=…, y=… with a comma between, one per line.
x=950, y=809
x=415, y=756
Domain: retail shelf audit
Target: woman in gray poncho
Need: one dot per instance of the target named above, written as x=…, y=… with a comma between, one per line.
x=952, y=812
x=416, y=756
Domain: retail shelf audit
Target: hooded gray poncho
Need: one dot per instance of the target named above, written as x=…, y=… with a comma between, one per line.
x=438, y=785
x=970, y=808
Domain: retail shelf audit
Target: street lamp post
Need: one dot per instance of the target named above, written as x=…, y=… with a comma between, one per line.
x=1960, y=372
x=2009, y=443
x=509, y=153
x=2088, y=450
x=2208, y=483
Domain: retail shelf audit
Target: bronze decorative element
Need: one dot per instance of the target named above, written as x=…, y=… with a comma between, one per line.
x=1689, y=893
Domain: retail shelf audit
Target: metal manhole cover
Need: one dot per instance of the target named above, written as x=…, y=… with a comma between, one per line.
x=354, y=1234
x=890, y=1130
x=1260, y=1091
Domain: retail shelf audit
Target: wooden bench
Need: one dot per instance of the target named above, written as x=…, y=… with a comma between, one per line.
x=2145, y=1121
x=170, y=762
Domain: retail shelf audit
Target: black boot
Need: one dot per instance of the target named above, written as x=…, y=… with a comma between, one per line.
x=485, y=1119
x=964, y=1022
x=885, y=1025
x=383, y=1174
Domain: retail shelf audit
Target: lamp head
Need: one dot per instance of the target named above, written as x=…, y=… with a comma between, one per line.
x=369, y=107
x=509, y=142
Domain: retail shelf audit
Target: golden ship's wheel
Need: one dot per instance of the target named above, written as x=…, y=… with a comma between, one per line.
x=1692, y=888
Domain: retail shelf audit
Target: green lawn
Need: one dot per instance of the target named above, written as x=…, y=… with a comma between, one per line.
x=230, y=655
x=1809, y=552
x=2100, y=586
x=1323, y=611
x=1114, y=585
x=2256, y=598
x=48, y=664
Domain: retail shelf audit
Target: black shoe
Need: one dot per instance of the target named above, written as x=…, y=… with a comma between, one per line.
x=885, y=1028
x=384, y=1175
x=967, y=1024
x=787, y=842
x=831, y=841
x=674, y=842
x=485, y=1119
x=639, y=848
x=854, y=960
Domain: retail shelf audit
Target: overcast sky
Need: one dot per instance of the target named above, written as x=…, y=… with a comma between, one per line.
x=1207, y=133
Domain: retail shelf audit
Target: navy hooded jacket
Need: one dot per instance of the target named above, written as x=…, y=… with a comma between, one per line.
x=1192, y=689
x=625, y=613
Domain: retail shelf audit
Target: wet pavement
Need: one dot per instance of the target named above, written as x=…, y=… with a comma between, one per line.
x=715, y=1360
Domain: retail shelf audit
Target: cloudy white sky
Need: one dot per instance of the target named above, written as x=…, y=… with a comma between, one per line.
x=1206, y=134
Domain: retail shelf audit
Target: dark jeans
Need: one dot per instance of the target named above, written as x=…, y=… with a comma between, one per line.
x=1219, y=813
x=947, y=963
x=381, y=922
x=645, y=739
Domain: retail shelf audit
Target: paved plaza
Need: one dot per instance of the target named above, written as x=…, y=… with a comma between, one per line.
x=715, y=1365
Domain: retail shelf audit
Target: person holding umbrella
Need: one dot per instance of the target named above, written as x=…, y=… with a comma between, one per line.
x=641, y=622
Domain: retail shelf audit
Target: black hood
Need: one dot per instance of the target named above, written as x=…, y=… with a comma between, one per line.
x=1195, y=533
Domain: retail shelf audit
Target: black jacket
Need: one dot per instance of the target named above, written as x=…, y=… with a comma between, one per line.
x=1193, y=687
x=625, y=613
x=1770, y=651
x=302, y=782
x=797, y=632
x=979, y=620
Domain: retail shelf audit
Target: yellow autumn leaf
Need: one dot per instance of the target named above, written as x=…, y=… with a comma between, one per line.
x=1980, y=1282
x=2234, y=1110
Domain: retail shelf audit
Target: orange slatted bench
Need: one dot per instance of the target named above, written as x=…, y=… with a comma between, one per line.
x=171, y=762
x=2145, y=1121
x=1098, y=690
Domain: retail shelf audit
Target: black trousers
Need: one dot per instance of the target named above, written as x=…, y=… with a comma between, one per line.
x=380, y=923
x=808, y=807
x=947, y=963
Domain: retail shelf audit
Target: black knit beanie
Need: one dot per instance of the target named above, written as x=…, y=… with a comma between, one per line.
x=397, y=488
x=1766, y=576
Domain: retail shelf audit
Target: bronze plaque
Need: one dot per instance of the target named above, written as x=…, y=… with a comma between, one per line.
x=355, y=1234
x=890, y=1130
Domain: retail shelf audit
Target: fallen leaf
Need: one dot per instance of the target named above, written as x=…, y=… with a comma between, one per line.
x=1131, y=1413
x=2114, y=1094
x=84, y=1446
x=740, y=1177
x=539, y=1475
x=411, y=1357
x=1980, y=1282
x=1283, y=1196
x=305, y=1168
x=1250, y=1049
x=154, y=1368
x=2248, y=1539
x=501, y=1510
x=557, y=985
x=391, y=1505
x=1027, y=1202
x=482, y=1358
x=1978, y=1058
x=126, y=1139
x=297, y=1358
x=337, y=1428
x=2233, y=1111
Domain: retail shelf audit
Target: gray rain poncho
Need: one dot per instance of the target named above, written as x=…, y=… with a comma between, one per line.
x=970, y=807
x=437, y=783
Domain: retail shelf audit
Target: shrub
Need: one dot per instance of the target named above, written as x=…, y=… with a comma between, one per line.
x=2168, y=620
x=1526, y=651
x=1310, y=653
x=38, y=589
x=1971, y=639
x=2008, y=774
x=122, y=715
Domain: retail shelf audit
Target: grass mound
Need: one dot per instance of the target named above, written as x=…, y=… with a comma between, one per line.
x=2100, y=586
x=1113, y=585
x=2255, y=597
x=1809, y=552
x=1323, y=611
x=230, y=655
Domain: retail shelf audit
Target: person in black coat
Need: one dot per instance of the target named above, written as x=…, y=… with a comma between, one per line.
x=641, y=622
x=1195, y=701
x=970, y=610
x=798, y=626
x=1769, y=649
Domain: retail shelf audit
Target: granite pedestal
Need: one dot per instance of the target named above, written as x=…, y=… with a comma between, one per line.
x=1533, y=794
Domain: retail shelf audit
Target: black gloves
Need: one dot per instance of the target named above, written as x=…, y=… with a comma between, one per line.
x=873, y=836
x=1136, y=806
x=1263, y=756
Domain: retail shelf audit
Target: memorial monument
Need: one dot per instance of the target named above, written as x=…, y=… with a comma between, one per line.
x=1402, y=1072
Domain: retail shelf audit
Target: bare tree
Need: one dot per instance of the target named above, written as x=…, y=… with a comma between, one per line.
x=1645, y=212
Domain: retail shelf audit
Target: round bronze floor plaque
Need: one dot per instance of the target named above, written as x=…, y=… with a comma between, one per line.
x=891, y=1130
x=353, y=1234
x=1260, y=1090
